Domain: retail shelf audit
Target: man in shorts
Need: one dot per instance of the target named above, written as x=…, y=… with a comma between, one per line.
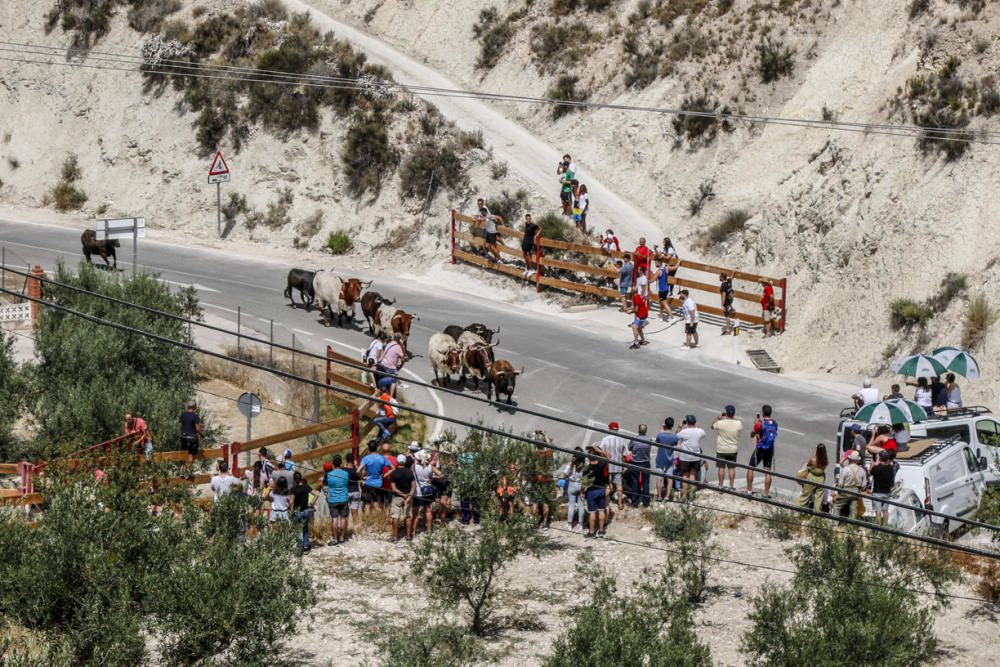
x=666, y=442
x=190, y=431
x=615, y=448
x=596, y=495
x=727, y=295
x=729, y=428
x=371, y=469
x=353, y=488
x=335, y=481
x=626, y=271
x=490, y=222
x=663, y=289
x=528, y=246
x=767, y=306
x=765, y=431
x=689, y=310
x=640, y=308
x=401, y=487
x=688, y=451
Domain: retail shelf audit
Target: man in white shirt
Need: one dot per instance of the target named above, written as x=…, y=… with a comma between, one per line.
x=689, y=312
x=729, y=428
x=223, y=482
x=867, y=394
x=688, y=448
x=616, y=448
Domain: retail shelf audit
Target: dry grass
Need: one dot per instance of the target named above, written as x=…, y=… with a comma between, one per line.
x=978, y=319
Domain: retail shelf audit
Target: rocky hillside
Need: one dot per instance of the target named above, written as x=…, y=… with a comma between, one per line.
x=137, y=136
x=857, y=220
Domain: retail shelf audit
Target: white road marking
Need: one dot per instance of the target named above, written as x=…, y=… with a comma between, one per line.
x=548, y=407
x=669, y=398
x=438, y=423
x=349, y=347
x=620, y=384
x=304, y=333
x=223, y=308
x=793, y=431
x=200, y=288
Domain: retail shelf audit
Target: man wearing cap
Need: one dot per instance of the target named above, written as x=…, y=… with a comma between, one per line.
x=867, y=394
x=858, y=442
x=729, y=428
x=853, y=478
x=616, y=447
x=688, y=450
x=190, y=431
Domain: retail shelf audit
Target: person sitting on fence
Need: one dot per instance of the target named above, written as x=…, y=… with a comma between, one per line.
x=490, y=221
x=582, y=205
x=386, y=416
x=528, y=248
x=625, y=272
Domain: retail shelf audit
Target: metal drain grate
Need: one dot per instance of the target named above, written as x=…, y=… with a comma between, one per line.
x=763, y=361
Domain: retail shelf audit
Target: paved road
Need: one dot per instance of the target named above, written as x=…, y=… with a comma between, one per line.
x=571, y=372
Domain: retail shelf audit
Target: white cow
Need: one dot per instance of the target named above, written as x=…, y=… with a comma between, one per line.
x=477, y=356
x=445, y=356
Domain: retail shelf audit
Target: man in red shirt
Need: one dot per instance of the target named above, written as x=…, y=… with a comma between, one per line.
x=641, y=258
x=640, y=307
x=767, y=305
x=141, y=439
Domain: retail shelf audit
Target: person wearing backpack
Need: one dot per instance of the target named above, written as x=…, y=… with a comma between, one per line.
x=765, y=430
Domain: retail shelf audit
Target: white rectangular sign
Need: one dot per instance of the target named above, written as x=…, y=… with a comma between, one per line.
x=218, y=178
x=121, y=228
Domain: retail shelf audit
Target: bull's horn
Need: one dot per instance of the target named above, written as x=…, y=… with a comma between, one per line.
x=367, y=284
x=341, y=279
x=415, y=317
x=520, y=372
x=388, y=302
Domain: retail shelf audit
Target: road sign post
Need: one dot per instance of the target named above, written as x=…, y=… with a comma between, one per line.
x=249, y=406
x=218, y=173
x=114, y=229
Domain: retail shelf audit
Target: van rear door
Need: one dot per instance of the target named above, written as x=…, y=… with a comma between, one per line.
x=950, y=486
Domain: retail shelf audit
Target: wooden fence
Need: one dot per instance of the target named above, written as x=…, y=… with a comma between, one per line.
x=25, y=493
x=696, y=275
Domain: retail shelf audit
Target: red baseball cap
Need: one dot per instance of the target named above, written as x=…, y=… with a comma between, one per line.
x=327, y=467
x=613, y=426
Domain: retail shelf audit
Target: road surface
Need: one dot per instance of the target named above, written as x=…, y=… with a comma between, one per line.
x=571, y=372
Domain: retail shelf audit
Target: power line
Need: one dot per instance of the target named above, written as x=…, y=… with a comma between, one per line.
x=500, y=433
x=252, y=75
x=700, y=455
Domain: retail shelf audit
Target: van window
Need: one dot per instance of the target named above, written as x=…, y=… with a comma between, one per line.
x=988, y=432
x=945, y=431
x=970, y=461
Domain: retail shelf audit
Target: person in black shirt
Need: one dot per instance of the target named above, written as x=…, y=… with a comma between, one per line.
x=190, y=431
x=302, y=509
x=883, y=474
x=727, y=295
x=939, y=395
x=401, y=487
x=353, y=487
x=528, y=246
x=596, y=480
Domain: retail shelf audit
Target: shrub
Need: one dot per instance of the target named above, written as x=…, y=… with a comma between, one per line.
x=71, y=169
x=824, y=616
x=906, y=313
x=419, y=643
x=701, y=129
x=86, y=20
x=552, y=44
x=952, y=286
x=988, y=585
x=493, y=35
x=149, y=15
x=566, y=90
x=781, y=524
x=774, y=60
x=309, y=227
x=508, y=206
x=234, y=206
x=918, y=7
x=554, y=226
x=367, y=154
x=645, y=63
x=653, y=626
x=65, y=196
x=978, y=319
x=13, y=162
x=689, y=530
x=940, y=103
x=499, y=170
x=339, y=242
x=429, y=167
x=12, y=388
x=706, y=191
x=468, y=140
x=733, y=221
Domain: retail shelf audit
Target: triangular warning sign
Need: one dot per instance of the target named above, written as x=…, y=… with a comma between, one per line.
x=219, y=165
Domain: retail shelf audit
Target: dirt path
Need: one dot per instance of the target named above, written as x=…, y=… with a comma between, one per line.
x=526, y=154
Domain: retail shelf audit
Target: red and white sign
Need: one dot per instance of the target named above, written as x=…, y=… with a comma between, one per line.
x=219, y=172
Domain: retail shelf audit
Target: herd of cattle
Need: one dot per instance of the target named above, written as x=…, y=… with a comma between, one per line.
x=467, y=352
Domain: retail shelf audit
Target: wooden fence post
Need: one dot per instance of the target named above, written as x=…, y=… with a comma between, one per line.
x=35, y=292
x=356, y=435
x=234, y=458
x=783, y=283
x=538, y=263
x=26, y=469
x=453, y=231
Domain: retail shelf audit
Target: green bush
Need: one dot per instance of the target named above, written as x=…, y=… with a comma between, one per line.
x=65, y=196
x=86, y=20
x=700, y=129
x=842, y=582
x=774, y=60
x=556, y=46
x=645, y=63
x=907, y=313
x=652, y=626
x=978, y=319
x=149, y=15
x=234, y=206
x=555, y=226
x=419, y=643
x=87, y=375
x=494, y=34
x=339, y=243
x=508, y=206
x=429, y=167
x=566, y=90
x=689, y=530
x=733, y=222
x=12, y=387
x=367, y=154
x=953, y=286
x=309, y=227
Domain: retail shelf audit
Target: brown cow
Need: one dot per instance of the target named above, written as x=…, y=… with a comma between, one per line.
x=370, y=304
x=395, y=321
x=477, y=357
x=350, y=294
x=501, y=379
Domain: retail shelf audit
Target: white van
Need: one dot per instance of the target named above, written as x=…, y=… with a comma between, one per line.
x=974, y=425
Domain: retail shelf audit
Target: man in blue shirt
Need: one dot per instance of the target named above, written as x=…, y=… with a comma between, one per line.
x=640, y=448
x=372, y=466
x=666, y=440
x=335, y=481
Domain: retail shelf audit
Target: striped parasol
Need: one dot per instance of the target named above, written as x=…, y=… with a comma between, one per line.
x=885, y=412
x=958, y=361
x=919, y=365
x=912, y=408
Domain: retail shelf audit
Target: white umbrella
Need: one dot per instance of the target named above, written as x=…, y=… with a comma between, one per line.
x=958, y=361
x=919, y=365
